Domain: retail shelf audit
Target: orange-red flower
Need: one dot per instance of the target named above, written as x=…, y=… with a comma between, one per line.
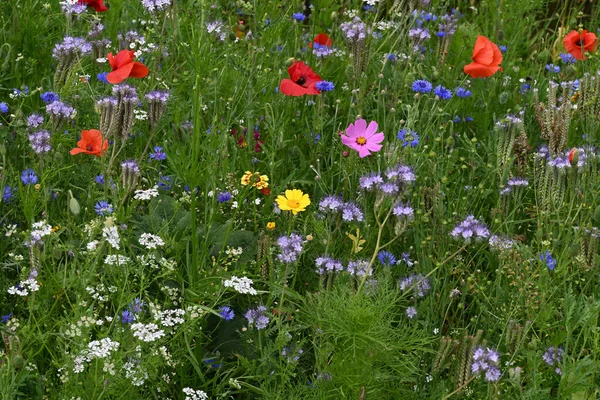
x=303, y=80
x=486, y=59
x=572, y=154
x=124, y=67
x=91, y=143
x=323, y=39
x=577, y=42
x=97, y=5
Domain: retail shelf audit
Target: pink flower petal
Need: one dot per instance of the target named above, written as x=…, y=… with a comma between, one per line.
x=359, y=127
x=374, y=147
x=363, y=151
x=350, y=130
x=371, y=129
x=348, y=141
x=377, y=138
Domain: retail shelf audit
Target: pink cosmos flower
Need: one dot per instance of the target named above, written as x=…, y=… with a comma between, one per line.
x=363, y=138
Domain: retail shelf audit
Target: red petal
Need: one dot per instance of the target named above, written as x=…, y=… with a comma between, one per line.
x=289, y=88
x=483, y=52
x=123, y=57
x=98, y=5
x=476, y=70
x=120, y=74
x=76, y=150
x=139, y=70
x=323, y=39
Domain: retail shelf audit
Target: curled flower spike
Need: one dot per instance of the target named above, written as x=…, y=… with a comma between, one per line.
x=124, y=67
x=486, y=59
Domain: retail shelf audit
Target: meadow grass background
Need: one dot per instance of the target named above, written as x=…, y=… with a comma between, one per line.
x=526, y=290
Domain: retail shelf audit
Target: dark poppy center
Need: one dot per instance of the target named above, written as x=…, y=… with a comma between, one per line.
x=89, y=148
x=301, y=81
x=579, y=43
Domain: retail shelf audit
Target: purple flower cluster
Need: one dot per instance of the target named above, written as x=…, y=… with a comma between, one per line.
x=327, y=265
x=334, y=204
x=126, y=92
x=321, y=51
x=486, y=360
x=34, y=120
x=355, y=30
x=155, y=5
x=159, y=96
x=397, y=178
x=58, y=109
x=517, y=182
x=501, y=243
x=553, y=357
x=290, y=248
x=403, y=211
x=291, y=353
x=70, y=7
x=418, y=282
x=40, y=142
x=358, y=268
x=470, y=228
x=448, y=25
x=71, y=46
x=257, y=317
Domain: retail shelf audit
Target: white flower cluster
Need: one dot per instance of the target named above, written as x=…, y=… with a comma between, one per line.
x=171, y=317
x=111, y=235
x=191, y=394
x=116, y=259
x=151, y=241
x=146, y=194
x=241, y=285
x=147, y=333
x=25, y=287
x=97, y=349
x=98, y=293
x=136, y=374
x=38, y=231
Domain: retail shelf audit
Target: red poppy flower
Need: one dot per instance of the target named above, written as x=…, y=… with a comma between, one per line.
x=97, y=5
x=486, y=59
x=323, y=39
x=303, y=80
x=266, y=191
x=572, y=154
x=91, y=143
x=124, y=67
x=576, y=43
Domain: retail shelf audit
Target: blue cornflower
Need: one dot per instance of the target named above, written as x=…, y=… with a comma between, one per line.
x=463, y=93
x=325, y=86
x=49, y=97
x=127, y=317
x=456, y=119
x=442, y=92
x=137, y=305
x=8, y=193
x=567, y=58
x=549, y=260
x=422, y=86
x=223, y=197
x=553, y=68
x=164, y=183
x=6, y=317
x=28, y=177
x=408, y=137
x=102, y=77
x=158, y=154
x=468, y=119
x=525, y=87
x=392, y=57
x=502, y=48
x=103, y=208
x=299, y=16
x=386, y=258
x=226, y=313
x=3, y=108
x=406, y=258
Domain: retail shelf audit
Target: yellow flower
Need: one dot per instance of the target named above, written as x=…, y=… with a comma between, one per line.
x=270, y=225
x=246, y=178
x=294, y=201
x=263, y=182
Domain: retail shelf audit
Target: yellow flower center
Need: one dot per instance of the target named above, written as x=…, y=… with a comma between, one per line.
x=361, y=140
x=293, y=203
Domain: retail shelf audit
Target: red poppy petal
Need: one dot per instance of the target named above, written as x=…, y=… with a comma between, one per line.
x=485, y=55
x=476, y=70
x=124, y=57
x=139, y=70
x=323, y=39
x=289, y=88
x=120, y=74
x=98, y=5
x=76, y=150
